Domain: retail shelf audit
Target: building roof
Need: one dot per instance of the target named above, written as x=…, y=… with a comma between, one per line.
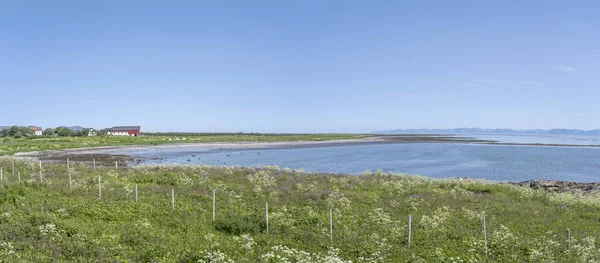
x=125, y=128
x=35, y=128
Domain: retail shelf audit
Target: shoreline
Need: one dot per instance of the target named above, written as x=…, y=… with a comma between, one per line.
x=107, y=156
x=212, y=146
x=298, y=144
x=122, y=154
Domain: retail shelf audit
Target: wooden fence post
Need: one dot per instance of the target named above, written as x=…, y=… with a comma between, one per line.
x=267, y=215
x=485, y=236
x=68, y=165
x=173, y=198
x=569, y=240
x=19, y=176
x=94, y=161
x=70, y=180
x=214, y=206
x=330, y=226
x=40, y=171
x=136, y=193
x=409, y=229
x=99, y=188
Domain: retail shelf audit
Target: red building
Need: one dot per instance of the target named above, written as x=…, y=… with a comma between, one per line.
x=126, y=131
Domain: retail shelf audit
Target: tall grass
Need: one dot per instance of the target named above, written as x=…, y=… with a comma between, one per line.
x=51, y=222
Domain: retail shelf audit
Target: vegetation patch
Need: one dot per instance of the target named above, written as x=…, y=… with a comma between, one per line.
x=165, y=214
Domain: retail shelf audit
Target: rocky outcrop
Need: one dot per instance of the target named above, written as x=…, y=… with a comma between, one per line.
x=561, y=186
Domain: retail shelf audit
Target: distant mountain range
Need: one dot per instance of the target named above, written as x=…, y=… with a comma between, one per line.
x=492, y=131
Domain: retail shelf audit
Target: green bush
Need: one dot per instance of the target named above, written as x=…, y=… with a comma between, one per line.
x=236, y=225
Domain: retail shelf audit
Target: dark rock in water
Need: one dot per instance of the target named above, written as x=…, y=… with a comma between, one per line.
x=561, y=186
x=189, y=160
x=228, y=155
x=193, y=155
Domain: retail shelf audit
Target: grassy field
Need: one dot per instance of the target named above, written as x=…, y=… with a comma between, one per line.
x=9, y=146
x=51, y=221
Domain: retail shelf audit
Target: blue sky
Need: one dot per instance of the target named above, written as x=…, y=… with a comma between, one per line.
x=300, y=66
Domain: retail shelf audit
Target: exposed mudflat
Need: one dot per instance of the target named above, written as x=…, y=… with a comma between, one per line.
x=101, y=159
x=108, y=155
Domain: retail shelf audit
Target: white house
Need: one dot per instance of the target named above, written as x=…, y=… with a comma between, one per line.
x=37, y=130
x=92, y=132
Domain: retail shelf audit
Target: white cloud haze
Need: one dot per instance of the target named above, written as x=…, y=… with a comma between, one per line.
x=566, y=68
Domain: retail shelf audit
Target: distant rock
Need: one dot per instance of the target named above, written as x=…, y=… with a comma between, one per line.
x=560, y=186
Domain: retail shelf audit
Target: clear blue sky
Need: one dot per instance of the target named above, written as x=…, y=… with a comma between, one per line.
x=300, y=66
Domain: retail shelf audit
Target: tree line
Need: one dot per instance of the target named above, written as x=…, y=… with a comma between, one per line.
x=19, y=132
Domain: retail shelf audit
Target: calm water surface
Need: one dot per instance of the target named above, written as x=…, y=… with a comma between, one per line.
x=492, y=162
x=543, y=139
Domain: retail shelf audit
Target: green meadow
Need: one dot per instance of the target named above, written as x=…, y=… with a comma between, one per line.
x=70, y=215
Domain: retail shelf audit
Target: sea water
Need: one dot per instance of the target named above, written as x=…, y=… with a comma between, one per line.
x=445, y=160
